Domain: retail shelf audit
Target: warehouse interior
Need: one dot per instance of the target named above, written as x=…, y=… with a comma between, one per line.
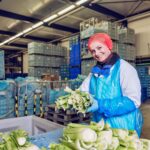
x=44, y=49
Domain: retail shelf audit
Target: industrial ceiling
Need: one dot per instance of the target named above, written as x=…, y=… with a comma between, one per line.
x=18, y=15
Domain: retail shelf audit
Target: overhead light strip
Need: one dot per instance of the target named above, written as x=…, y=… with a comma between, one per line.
x=80, y=2
x=66, y=10
x=37, y=24
x=27, y=30
x=50, y=18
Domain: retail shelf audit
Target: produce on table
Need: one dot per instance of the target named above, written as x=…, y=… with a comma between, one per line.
x=76, y=100
x=16, y=140
x=99, y=136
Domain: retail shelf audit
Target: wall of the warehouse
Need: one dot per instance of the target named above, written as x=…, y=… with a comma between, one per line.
x=142, y=31
x=25, y=63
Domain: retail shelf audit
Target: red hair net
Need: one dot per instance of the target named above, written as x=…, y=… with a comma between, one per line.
x=101, y=37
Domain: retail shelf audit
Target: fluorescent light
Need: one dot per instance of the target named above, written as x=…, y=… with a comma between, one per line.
x=66, y=9
x=37, y=24
x=12, y=38
x=50, y=18
x=27, y=30
x=1, y=44
x=81, y=2
x=6, y=41
x=17, y=35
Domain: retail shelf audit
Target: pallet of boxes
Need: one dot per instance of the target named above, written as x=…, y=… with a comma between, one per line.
x=70, y=108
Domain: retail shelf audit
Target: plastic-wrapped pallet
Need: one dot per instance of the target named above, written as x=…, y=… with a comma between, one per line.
x=7, y=101
x=32, y=96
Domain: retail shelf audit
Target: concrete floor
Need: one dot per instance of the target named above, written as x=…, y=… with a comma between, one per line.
x=145, y=108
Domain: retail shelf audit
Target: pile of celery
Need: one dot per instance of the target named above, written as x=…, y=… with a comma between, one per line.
x=99, y=137
x=16, y=140
x=76, y=100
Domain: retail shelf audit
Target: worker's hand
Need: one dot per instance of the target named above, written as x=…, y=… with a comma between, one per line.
x=93, y=107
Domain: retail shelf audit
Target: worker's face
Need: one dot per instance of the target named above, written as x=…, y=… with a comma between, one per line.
x=99, y=51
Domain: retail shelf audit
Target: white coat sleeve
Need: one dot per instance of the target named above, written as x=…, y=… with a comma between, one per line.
x=130, y=83
x=86, y=84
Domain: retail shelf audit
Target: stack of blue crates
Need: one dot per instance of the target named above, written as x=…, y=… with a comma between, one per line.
x=74, y=71
x=75, y=57
x=145, y=81
x=64, y=72
x=2, y=65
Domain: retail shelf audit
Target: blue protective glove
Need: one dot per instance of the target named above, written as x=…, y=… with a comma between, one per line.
x=116, y=106
x=94, y=106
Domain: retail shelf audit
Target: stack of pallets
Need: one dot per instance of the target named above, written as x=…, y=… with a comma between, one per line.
x=65, y=117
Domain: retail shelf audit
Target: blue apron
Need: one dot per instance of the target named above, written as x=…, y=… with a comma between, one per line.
x=108, y=87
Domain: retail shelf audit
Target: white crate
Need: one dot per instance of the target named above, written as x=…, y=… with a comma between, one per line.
x=32, y=124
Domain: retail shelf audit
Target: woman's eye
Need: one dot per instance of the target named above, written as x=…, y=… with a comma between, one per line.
x=92, y=52
x=99, y=48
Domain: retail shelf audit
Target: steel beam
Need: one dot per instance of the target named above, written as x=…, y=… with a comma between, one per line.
x=103, y=10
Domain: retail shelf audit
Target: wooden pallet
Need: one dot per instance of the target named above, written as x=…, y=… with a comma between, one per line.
x=65, y=117
x=61, y=121
x=52, y=108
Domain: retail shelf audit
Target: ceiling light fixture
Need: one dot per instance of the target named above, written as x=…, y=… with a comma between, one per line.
x=50, y=18
x=27, y=30
x=17, y=35
x=45, y=20
x=66, y=9
x=6, y=41
x=80, y=2
x=12, y=38
x=37, y=24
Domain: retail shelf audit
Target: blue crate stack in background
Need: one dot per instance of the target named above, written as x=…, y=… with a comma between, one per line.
x=75, y=57
x=64, y=72
x=144, y=75
x=2, y=65
x=32, y=94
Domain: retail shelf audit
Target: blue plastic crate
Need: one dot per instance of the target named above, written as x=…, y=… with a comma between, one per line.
x=143, y=94
x=74, y=71
x=75, y=58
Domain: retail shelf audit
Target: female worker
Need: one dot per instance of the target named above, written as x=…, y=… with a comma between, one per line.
x=114, y=87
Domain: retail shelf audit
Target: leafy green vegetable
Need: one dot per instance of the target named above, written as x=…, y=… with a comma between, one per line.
x=19, y=136
x=99, y=136
x=77, y=100
x=59, y=147
x=16, y=140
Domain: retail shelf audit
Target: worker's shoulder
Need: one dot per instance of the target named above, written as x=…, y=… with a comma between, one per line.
x=124, y=66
